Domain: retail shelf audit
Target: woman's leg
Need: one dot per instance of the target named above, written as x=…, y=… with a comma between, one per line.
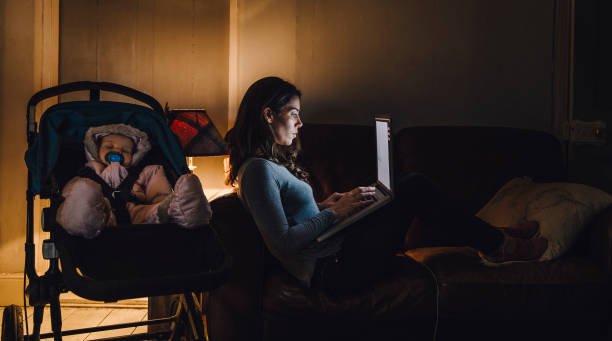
x=440, y=222
x=373, y=241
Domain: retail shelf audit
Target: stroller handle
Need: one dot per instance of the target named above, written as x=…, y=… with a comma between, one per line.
x=94, y=95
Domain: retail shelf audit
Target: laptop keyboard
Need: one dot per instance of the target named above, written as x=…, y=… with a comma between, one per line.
x=374, y=199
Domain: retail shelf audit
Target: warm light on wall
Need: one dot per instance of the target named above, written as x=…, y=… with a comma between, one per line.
x=226, y=166
x=210, y=170
x=190, y=163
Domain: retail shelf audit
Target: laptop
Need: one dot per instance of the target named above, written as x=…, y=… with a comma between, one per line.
x=383, y=184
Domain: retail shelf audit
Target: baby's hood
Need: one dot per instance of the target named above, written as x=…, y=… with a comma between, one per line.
x=94, y=134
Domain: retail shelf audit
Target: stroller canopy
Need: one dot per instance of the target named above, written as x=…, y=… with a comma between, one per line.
x=65, y=125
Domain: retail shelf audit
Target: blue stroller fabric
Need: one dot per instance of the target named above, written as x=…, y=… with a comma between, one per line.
x=65, y=125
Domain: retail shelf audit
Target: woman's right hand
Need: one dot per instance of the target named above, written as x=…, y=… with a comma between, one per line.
x=352, y=200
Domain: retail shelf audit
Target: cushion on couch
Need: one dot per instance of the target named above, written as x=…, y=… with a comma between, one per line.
x=562, y=209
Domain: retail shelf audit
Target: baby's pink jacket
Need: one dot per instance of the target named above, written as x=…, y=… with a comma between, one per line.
x=85, y=212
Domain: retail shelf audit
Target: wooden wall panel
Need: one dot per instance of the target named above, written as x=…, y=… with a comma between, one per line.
x=116, y=35
x=28, y=63
x=78, y=43
x=176, y=51
x=17, y=84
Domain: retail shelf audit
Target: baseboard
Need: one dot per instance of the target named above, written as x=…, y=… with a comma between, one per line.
x=11, y=292
x=71, y=300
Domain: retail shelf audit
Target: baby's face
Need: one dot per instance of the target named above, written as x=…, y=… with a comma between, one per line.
x=117, y=143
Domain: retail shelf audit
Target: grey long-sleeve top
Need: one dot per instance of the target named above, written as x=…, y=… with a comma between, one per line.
x=286, y=215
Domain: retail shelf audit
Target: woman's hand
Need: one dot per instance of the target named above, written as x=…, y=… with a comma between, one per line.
x=332, y=199
x=351, y=201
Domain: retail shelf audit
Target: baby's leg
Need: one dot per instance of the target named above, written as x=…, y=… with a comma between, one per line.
x=153, y=190
x=156, y=213
x=85, y=212
x=188, y=205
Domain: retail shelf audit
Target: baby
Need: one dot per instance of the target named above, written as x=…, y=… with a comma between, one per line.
x=112, y=188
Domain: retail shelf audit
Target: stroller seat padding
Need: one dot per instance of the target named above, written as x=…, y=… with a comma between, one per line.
x=129, y=261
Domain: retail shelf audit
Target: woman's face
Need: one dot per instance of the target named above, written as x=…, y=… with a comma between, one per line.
x=286, y=123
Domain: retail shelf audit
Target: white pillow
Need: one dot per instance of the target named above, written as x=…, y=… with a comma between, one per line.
x=562, y=209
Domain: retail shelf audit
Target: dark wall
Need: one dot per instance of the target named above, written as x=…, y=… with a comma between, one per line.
x=472, y=62
x=592, y=164
x=435, y=62
x=593, y=59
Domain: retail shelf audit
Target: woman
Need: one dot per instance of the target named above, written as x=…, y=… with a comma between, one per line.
x=263, y=147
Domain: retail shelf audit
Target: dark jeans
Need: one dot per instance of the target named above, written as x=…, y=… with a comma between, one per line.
x=370, y=245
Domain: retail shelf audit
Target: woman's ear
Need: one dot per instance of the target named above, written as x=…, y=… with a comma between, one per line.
x=268, y=115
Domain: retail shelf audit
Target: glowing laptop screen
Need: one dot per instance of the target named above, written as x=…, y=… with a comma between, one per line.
x=382, y=152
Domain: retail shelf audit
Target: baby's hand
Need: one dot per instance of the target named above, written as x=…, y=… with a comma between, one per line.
x=109, y=216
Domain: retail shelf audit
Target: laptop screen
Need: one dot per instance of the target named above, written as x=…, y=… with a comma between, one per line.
x=382, y=152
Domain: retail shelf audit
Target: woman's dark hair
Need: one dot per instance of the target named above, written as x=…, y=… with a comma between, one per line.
x=252, y=136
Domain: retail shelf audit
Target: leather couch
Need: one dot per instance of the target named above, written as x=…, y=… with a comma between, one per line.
x=567, y=298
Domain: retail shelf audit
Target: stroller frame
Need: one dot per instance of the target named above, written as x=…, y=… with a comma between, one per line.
x=46, y=289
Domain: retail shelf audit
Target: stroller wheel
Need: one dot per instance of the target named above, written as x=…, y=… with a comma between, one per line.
x=12, y=324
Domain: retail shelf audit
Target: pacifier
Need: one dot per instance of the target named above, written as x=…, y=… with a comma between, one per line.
x=113, y=157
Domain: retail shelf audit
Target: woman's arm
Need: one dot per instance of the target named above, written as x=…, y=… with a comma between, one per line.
x=260, y=190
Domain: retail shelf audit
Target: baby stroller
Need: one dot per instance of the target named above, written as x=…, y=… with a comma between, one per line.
x=129, y=261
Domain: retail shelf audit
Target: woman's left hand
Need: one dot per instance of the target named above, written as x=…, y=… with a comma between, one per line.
x=332, y=199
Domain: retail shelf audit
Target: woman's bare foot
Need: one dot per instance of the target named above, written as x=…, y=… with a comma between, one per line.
x=518, y=249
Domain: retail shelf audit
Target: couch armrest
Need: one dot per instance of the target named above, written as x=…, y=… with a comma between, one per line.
x=600, y=240
x=234, y=309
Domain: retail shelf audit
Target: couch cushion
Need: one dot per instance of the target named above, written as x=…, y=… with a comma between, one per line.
x=407, y=292
x=563, y=210
x=570, y=287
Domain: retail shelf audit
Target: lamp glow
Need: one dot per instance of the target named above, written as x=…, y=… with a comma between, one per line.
x=190, y=163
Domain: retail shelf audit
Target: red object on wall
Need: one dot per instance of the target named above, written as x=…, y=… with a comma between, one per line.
x=196, y=132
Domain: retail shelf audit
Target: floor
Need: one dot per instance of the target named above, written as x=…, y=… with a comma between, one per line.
x=84, y=316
